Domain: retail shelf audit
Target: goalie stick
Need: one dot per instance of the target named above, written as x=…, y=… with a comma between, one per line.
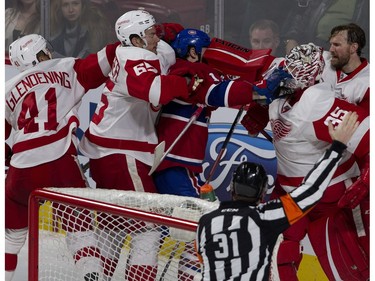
x=159, y=153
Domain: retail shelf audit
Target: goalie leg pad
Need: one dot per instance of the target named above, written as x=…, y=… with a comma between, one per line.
x=189, y=265
x=335, y=242
x=144, y=248
x=142, y=261
x=289, y=255
x=187, y=214
x=110, y=243
x=288, y=260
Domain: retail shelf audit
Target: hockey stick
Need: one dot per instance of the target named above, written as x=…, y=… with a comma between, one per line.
x=86, y=166
x=159, y=153
x=266, y=135
x=225, y=144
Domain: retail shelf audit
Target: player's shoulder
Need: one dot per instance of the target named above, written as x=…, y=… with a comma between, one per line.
x=316, y=99
x=134, y=53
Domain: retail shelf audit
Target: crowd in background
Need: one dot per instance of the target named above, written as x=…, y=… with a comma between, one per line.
x=78, y=27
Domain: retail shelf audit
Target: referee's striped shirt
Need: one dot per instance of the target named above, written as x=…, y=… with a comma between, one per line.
x=236, y=241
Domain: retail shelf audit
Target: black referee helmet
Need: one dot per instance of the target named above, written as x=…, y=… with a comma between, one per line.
x=249, y=182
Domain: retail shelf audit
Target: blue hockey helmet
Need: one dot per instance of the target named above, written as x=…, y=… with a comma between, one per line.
x=190, y=38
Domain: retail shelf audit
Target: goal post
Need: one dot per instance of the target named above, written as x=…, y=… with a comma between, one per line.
x=102, y=234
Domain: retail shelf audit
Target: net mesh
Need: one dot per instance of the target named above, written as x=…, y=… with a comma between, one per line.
x=77, y=243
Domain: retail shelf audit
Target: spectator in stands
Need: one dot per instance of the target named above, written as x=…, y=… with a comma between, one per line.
x=264, y=34
x=44, y=153
x=311, y=21
x=78, y=28
x=222, y=233
x=22, y=18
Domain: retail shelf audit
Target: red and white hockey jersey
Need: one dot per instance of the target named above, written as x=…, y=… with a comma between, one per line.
x=41, y=105
x=300, y=134
x=125, y=117
x=353, y=87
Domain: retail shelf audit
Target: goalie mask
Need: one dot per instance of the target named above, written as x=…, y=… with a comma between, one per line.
x=23, y=53
x=249, y=182
x=305, y=63
x=190, y=38
x=133, y=23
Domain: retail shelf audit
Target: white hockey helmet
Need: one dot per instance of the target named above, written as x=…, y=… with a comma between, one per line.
x=305, y=63
x=23, y=52
x=133, y=22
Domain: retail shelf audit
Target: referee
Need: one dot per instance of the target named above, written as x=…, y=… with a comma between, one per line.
x=236, y=241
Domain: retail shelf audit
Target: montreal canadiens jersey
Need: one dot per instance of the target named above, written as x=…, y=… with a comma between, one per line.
x=124, y=120
x=301, y=134
x=217, y=91
x=353, y=87
x=41, y=105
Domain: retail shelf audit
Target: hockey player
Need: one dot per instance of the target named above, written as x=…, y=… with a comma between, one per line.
x=349, y=73
x=41, y=112
x=345, y=69
x=177, y=174
x=236, y=241
x=185, y=160
x=121, y=137
x=298, y=121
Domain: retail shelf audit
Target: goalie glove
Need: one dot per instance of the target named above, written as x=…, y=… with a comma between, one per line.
x=269, y=86
x=255, y=119
x=358, y=190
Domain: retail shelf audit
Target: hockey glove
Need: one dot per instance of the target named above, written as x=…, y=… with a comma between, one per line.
x=193, y=84
x=268, y=87
x=168, y=31
x=255, y=119
x=358, y=190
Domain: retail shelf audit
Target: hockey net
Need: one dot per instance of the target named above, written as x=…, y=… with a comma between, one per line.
x=99, y=234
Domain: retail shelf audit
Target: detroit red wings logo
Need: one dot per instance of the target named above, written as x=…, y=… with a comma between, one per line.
x=280, y=129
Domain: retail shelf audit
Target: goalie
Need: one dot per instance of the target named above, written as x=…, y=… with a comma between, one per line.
x=339, y=236
x=236, y=241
